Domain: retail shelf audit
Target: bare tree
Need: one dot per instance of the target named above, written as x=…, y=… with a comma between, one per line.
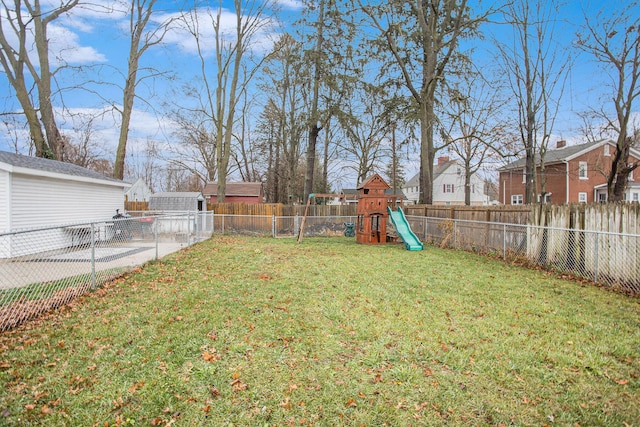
x=83, y=147
x=283, y=120
x=613, y=39
x=422, y=41
x=474, y=129
x=535, y=67
x=23, y=28
x=141, y=39
x=233, y=69
x=365, y=131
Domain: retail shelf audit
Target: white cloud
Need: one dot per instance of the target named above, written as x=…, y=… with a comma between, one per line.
x=202, y=21
x=64, y=47
x=290, y=4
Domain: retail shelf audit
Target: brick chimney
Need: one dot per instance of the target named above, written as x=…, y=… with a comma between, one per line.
x=561, y=144
x=442, y=160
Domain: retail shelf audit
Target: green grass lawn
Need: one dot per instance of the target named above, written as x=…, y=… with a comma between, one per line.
x=264, y=332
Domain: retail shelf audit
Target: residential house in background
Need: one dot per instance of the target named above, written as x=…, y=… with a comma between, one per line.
x=574, y=174
x=448, y=185
x=236, y=192
x=138, y=192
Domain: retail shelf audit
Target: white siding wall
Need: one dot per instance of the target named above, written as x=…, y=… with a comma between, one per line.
x=38, y=202
x=451, y=176
x=5, y=224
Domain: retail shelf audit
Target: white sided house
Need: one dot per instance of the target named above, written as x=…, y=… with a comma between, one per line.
x=448, y=185
x=138, y=192
x=39, y=193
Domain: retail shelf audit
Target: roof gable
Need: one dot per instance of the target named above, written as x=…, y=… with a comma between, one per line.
x=374, y=181
x=248, y=189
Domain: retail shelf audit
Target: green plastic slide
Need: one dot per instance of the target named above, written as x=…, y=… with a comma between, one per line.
x=399, y=221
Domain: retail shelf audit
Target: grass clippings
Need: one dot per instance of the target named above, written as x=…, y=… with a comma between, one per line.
x=265, y=332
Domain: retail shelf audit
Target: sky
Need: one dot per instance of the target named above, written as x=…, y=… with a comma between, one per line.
x=95, y=41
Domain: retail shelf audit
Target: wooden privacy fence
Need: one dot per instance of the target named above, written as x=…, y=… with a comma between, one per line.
x=263, y=209
x=612, y=217
x=509, y=214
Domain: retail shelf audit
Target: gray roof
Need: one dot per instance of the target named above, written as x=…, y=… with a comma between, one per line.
x=178, y=195
x=559, y=154
x=437, y=171
x=54, y=166
x=175, y=201
x=353, y=193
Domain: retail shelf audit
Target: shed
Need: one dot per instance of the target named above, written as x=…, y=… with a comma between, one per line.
x=236, y=192
x=36, y=192
x=188, y=201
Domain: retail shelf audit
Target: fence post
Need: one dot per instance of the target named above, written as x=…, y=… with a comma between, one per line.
x=93, y=257
x=222, y=229
x=189, y=228
x=155, y=232
x=426, y=225
x=455, y=239
x=595, y=252
x=273, y=226
x=504, y=241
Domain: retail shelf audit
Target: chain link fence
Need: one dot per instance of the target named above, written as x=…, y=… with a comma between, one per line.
x=609, y=259
x=45, y=268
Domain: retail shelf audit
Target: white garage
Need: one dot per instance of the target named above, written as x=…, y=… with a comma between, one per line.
x=37, y=193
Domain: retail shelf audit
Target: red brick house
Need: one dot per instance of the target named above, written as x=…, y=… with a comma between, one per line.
x=574, y=174
x=236, y=192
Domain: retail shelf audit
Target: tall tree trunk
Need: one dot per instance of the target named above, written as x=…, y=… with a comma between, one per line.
x=314, y=126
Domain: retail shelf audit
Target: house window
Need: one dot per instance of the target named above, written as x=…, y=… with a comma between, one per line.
x=447, y=188
x=635, y=197
x=545, y=199
x=602, y=197
x=516, y=199
x=582, y=197
x=524, y=176
x=607, y=151
x=582, y=170
x=631, y=173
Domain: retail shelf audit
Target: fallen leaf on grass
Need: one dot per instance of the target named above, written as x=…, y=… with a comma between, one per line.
x=135, y=387
x=211, y=356
x=286, y=403
x=351, y=403
x=622, y=382
x=238, y=385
